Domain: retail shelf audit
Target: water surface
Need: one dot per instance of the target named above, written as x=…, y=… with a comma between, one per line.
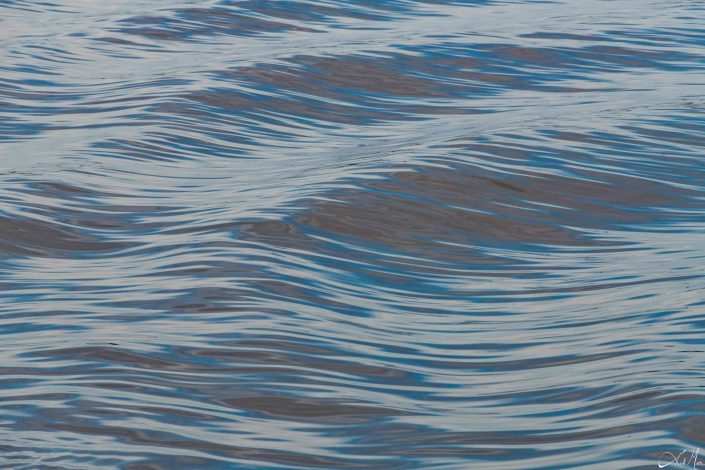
x=339, y=234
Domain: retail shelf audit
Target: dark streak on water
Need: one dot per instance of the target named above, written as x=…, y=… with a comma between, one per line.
x=351, y=234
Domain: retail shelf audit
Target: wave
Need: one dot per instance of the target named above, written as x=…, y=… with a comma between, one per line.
x=337, y=234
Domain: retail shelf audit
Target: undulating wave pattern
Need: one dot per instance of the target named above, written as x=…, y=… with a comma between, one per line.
x=340, y=234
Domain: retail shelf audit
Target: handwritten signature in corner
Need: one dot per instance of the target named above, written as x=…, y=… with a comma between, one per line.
x=684, y=459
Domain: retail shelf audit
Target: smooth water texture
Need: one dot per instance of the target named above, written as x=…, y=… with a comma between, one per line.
x=341, y=234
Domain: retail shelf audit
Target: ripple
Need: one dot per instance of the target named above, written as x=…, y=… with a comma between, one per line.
x=351, y=234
